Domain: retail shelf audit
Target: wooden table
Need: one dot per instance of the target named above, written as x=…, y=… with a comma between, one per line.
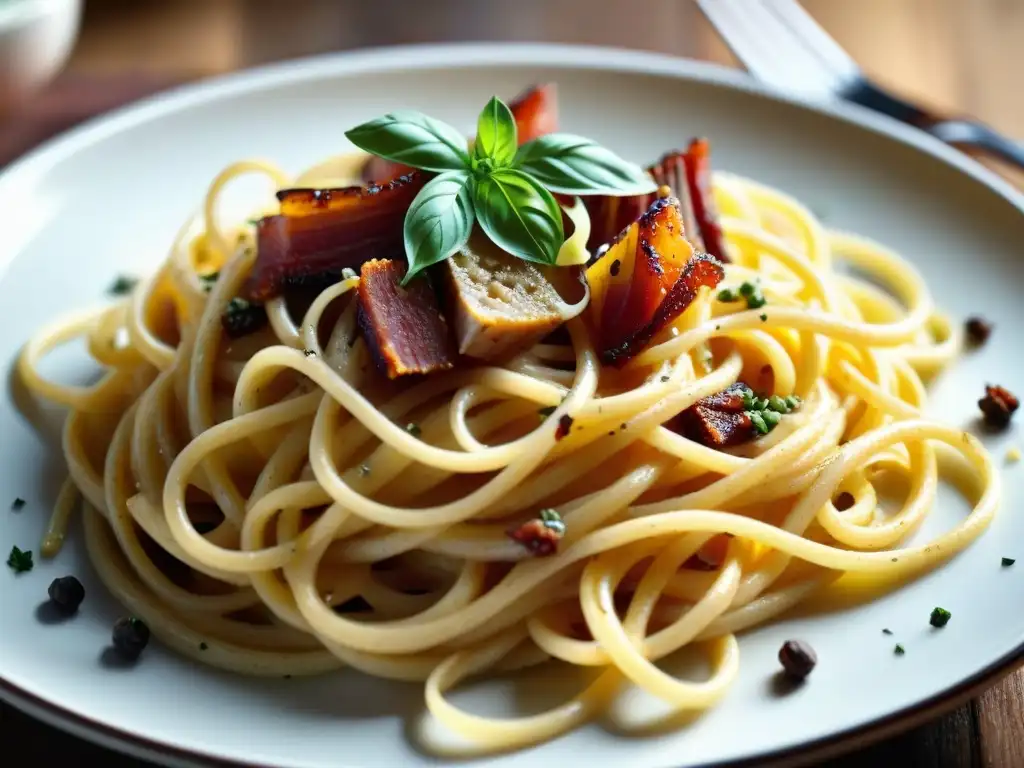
x=958, y=55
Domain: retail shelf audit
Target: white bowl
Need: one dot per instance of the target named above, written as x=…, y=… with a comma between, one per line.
x=36, y=37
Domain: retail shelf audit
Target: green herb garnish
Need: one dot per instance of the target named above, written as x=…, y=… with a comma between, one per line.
x=765, y=413
x=749, y=292
x=547, y=410
x=886, y=631
x=757, y=419
x=122, y=285
x=209, y=280
x=203, y=646
x=940, y=617
x=1007, y=562
x=502, y=187
x=413, y=429
x=899, y=650
x=18, y=504
x=20, y=560
x=552, y=520
x=764, y=318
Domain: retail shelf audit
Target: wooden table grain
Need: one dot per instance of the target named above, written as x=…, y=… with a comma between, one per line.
x=956, y=55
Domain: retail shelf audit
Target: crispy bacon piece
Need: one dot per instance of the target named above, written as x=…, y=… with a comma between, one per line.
x=698, y=177
x=610, y=215
x=629, y=282
x=535, y=111
x=717, y=421
x=403, y=328
x=688, y=176
x=322, y=231
x=646, y=279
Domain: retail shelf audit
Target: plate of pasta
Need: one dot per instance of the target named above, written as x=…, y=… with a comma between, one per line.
x=505, y=405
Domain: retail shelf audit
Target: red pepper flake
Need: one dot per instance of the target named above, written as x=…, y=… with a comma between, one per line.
x=564, y=425
x=998, y=406
x=978, y=330
x=540, y=535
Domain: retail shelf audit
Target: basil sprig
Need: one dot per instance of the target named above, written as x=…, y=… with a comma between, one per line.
x=503, y=187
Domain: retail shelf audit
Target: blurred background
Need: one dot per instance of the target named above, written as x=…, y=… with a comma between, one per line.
x=63, y=61
x=957, y=55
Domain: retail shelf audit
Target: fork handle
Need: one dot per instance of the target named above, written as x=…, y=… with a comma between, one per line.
x=969, y=136
x=974, y=137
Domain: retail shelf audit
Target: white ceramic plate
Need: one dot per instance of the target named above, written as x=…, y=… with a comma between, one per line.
x=108, y=197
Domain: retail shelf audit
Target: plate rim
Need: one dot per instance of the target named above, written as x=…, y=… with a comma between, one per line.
x=460, y=55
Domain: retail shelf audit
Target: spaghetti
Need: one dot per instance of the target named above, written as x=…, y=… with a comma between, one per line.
x=246, y=498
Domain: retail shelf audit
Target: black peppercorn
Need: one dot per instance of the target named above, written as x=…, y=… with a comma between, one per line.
x=978, y=330
x=797, y=659
x=130, y=637
x=67, y=593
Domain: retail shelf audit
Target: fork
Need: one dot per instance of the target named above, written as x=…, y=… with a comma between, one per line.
x=780, y=44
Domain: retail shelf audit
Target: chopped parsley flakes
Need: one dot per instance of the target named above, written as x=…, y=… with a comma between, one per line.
x=413, y=429
x=20, y=560
x=552, y=520
x=940, y=617
x=1006, y=562
x=19, y=503
x=749, y=292
x=765, y=413
x=899, y=650
x=122, y=285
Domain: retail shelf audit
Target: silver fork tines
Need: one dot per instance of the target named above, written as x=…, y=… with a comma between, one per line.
x=780, y=44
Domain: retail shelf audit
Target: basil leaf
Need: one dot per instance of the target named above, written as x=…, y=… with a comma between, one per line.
x=519, y=215
x=496, y=134
x=438, y=222
x=574, y=165
x=410, y=137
